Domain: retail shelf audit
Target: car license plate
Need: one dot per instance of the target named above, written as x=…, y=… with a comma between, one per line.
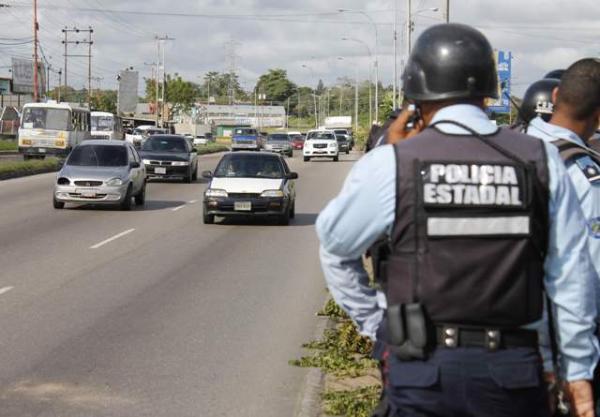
x=42, y=150
x=242, y=206
x=88, y=193
x=160, y=170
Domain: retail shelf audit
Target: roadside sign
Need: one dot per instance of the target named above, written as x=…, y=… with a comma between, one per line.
x=502, y=104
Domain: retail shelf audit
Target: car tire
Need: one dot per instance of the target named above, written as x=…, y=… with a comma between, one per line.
x=306, y=158
x=57, y=204
x=140, y=198
x=293, y=209
x=347, y=152
x=208, y=218
x=188, y=178
x=284, y=219
x=336, y=158
x=126, y=203
x=195, y=174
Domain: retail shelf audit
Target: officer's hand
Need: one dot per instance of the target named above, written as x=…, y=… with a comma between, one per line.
x=550, y=379
x=397, y=130
x=582, y=400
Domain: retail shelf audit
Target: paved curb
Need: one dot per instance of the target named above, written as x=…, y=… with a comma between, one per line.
x=310, y=401
x=20, y=174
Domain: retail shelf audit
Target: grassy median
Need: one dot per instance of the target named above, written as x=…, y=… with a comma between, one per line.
x=14, y=169
x=8, y=145
x=211, y=148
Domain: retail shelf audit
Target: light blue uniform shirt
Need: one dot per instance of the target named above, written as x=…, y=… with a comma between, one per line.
x=365, y=209
x=588, y=193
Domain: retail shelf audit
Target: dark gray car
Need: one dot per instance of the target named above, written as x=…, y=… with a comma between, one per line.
x=101, y=172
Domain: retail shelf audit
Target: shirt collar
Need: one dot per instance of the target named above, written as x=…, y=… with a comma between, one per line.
x=466, y=114
x=552, y=132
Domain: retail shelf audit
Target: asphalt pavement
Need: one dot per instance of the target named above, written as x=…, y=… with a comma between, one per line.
x=152, y=313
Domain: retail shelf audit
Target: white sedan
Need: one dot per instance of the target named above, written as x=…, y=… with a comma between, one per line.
x=250, y=183
x=320, y=144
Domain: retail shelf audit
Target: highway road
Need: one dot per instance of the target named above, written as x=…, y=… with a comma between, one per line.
x=152, y=313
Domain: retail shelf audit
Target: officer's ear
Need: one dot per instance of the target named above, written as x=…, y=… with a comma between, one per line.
x=555, y=95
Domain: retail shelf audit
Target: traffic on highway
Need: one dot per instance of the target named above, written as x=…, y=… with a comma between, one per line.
x=306, y=209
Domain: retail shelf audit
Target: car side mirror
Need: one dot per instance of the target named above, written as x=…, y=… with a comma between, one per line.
x=292, y=176
x=194, y=150
x=134, y=165
x=207, y=174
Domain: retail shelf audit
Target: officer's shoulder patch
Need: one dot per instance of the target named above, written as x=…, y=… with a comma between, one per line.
x=594, y=227
x=589, y=168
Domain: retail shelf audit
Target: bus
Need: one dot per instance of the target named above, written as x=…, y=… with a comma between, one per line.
x=106, y=126
x=52, y=129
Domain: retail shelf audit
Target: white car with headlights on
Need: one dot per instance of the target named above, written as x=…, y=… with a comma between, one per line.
x=248, y=183
x=320, y=144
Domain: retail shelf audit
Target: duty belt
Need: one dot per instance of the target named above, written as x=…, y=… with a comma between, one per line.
x=453, y=336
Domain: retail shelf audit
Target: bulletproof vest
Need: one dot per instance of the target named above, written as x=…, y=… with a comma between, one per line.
x=470, y=234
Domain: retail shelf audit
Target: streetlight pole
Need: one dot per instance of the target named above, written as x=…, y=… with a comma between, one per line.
x=370, y=75
x=376, y=57
x=395, y=56
x=411, y=25
x=314, y=95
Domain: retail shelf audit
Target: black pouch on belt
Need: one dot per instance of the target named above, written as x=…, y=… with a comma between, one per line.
x=408, y=331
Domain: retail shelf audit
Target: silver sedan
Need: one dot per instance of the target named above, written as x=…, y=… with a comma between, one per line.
x=101, y=172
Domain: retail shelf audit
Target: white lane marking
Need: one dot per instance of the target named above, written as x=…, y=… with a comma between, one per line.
x=178, y=207
x=110, y=239
x=192, y=202
x=5, y=290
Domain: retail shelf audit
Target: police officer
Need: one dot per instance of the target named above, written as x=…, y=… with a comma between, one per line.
x=537, y=102
x=480, y=219
x=574, y=121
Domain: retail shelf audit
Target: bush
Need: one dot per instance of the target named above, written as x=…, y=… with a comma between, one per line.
x=14, y=169
x=356, y=403
x=211, y=148
x=8, y=145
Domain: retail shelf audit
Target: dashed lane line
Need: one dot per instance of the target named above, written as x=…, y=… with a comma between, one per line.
x=110, y=239
x=178, y=207
x=5, y=290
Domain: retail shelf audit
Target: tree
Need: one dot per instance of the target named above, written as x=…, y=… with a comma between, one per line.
x=219, y=85
x=275, y=85
x=104, y=101
x=320, y=88
x=180, y=93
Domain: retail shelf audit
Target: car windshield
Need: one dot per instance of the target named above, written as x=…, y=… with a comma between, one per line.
x=46, y=118
x=277, y=138
x=98, y=156
x=102, y=123
x=340, y=138
x=249, y=166
x=164, y=144
x=244, y=132
x=341, y=132
x=321, y=136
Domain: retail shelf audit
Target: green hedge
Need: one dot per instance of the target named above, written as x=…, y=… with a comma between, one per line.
x=14, y=169
x=8, y=145
x=211, y=148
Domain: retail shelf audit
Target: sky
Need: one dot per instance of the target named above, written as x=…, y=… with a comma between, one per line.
x=302, y=37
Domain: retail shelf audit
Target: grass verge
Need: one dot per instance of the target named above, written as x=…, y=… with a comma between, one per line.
x=211, y=148
x=8, y=145
x=344, y=356
x=15, y=169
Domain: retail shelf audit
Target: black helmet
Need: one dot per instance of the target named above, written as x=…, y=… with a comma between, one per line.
x=556, y=74
x=538, y=100
x=450, y=61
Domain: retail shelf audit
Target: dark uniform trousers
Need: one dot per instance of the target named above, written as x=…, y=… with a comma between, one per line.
x=467, y=382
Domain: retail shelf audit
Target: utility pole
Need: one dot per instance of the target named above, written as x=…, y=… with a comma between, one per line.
x=356, y=102
x=394, y=106
x=409, y=28
x=447, y=11
x=160, y=41
x=59, y=83
x=36, y=90
x=88, y=42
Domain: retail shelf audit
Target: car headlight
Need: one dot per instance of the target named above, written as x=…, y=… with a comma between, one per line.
x=215, y=192
x=180, y=163
x=272, y=193
x=333, y=145
x=63, y=181
x=113, y=182
x=146, y=161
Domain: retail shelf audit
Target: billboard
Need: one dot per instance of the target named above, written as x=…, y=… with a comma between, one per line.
x=22, y=73
x=502, y=104
x=5, y=86
x=128, y=91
